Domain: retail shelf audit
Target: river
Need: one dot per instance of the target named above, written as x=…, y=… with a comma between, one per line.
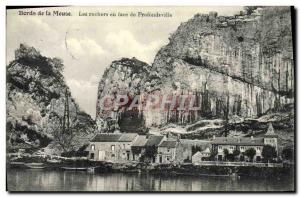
x=42, y=180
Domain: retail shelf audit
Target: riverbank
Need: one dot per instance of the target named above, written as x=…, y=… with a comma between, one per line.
x=139, y=167
x=237, y=171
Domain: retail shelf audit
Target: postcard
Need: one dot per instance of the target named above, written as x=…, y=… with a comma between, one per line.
x=150, y=99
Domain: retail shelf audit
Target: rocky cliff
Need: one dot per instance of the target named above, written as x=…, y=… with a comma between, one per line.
x=235, y=66
x=123, y=77
x=36, y=97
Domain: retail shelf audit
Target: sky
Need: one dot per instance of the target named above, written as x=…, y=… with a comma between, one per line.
x=88, y=44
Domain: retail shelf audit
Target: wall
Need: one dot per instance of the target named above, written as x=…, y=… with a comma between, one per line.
x=165, y=153
x=120, y=152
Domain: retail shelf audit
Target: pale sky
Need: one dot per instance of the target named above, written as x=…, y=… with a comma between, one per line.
x=94, y=42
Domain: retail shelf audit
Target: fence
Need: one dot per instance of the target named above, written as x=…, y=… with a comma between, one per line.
x=226, y=163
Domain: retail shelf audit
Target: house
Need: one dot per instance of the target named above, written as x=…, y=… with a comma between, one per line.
x=270, y=138
x=200, y=156
x=166, y=152
x=112, y=147
x=186, y=147
x=126, y=140
x=219, y=144
x=138, y=147
x=151, y=147
x=176, y=150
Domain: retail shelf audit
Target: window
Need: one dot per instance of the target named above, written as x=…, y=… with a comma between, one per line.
x=112, y=147
x=242, y=148
x=168, y=150
x=168, y=158
x=93, y=147
x=258, y=148
x=231, y=147
x=220, y=147
x=124, y=146
x=92, y=156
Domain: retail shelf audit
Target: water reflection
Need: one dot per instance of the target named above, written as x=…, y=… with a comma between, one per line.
x=40, y=180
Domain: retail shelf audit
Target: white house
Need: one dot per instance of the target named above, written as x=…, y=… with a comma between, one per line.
x=200, y=156
x=112, y=147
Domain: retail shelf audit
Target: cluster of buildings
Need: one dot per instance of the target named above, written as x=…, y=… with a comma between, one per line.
x=130, y=147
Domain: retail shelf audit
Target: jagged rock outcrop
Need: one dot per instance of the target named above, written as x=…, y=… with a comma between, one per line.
x=234, y=65
x=36, y=102
x=125, y=77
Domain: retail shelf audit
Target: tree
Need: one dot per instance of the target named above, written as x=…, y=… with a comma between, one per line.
x=230, y=157
x=226, y=152
x=242, y=157
x=236, y=153
x=196, y=149
x=288, y=154
x=149, y=154
x=250, y=153
x=269, y=152
x=213, y=154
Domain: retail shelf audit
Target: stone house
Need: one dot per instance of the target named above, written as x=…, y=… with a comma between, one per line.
x=138, y=147
x=151, y=147
x=166, y=152
x=200, y=156
x=219, y=144
x=176, y=150
x=185, y=149
x=112, y=147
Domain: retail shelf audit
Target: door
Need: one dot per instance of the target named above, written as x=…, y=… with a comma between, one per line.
x=92, y=156
x=160, y=159
x=128, y=155
x=101, y=155
x=258, y=158
x=219, y=157
x=242, y=158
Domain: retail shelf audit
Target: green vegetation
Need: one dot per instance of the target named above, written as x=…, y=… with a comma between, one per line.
x=225, y=152
x=288, y=154
x=196, y=149
x=149, y=154
x=269, y=152
x=250, y=153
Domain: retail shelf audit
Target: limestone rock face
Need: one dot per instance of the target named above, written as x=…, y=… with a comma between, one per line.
x=234, y=65
x=125, y=77
x=35, y=102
